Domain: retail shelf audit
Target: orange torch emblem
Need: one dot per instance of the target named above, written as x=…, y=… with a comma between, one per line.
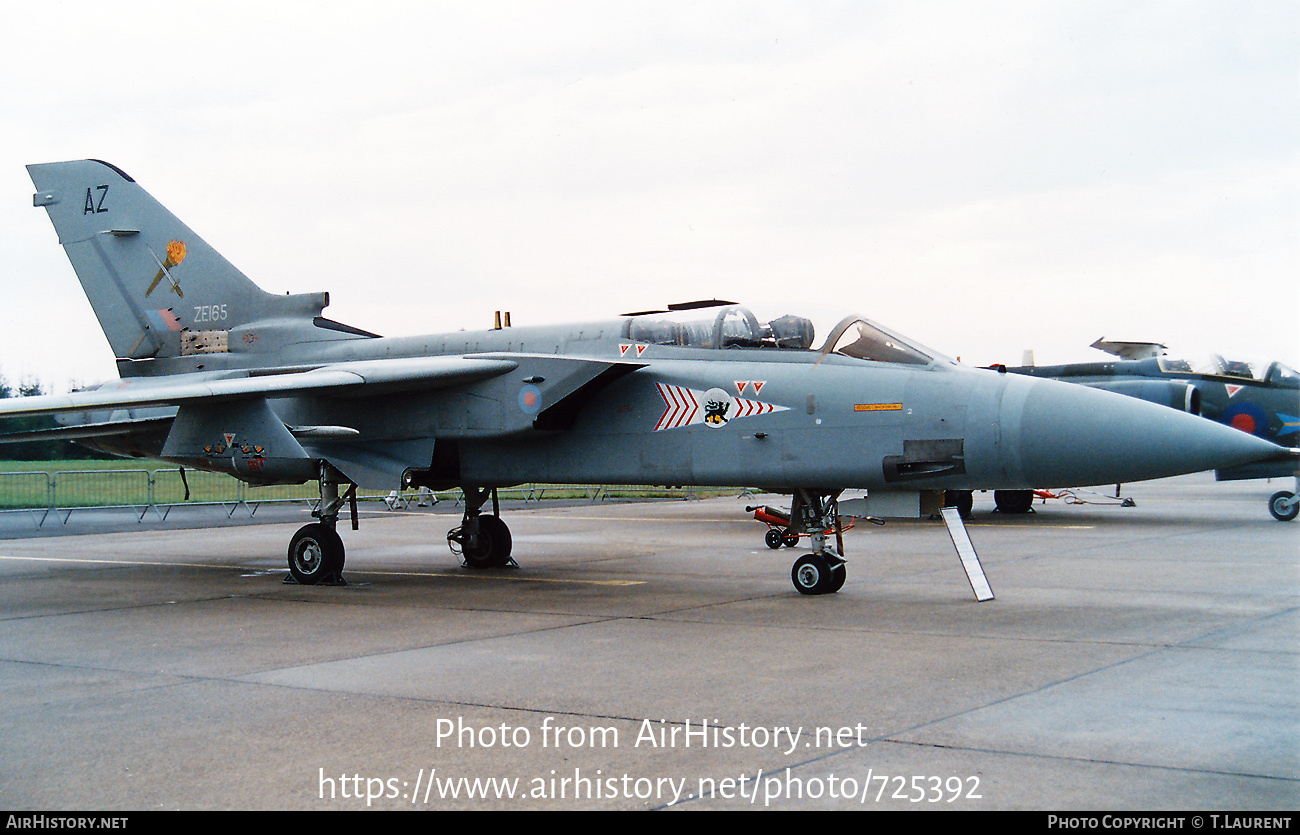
x=175, y=255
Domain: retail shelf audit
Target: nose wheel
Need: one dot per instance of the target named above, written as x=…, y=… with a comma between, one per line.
x=817, y=514
x=818, y=574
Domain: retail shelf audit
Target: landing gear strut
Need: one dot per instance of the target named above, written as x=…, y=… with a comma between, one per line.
x=821, y=572
x=316, y=552
x=481, y=541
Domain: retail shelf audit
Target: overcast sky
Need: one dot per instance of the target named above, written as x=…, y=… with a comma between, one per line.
x=984, y=177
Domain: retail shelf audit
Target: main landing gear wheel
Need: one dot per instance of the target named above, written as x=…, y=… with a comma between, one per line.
x=1284, y=506
x=963, y=500
x=316, y=551
x=492, y=547
x=818, y=574
x=1014, y=501
x=316, y=555
x=482, y=540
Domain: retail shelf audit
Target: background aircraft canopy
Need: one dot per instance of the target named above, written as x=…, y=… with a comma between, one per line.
x=1264, y=371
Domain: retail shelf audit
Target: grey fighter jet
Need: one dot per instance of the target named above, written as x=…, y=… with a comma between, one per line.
x=218, y=375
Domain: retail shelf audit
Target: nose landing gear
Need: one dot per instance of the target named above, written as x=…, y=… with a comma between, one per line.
x=816, y=514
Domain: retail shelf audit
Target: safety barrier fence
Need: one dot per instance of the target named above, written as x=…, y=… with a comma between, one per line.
x=63, y=491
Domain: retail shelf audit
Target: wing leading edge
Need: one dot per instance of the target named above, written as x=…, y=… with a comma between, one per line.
x=364, y=377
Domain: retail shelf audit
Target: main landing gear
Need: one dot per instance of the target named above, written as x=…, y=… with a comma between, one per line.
x=822, y=571
x=316, y=553
x=481, y=541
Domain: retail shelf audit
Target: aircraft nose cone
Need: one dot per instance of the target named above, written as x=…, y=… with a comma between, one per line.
x=1072, y=436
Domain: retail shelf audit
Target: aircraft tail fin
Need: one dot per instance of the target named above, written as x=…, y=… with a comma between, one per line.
x=167, y=301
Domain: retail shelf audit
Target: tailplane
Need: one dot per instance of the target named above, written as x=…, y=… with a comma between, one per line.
x=167, y=301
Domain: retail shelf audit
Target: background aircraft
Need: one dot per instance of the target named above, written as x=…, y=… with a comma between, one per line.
x=219, y=375
x=1261, y=398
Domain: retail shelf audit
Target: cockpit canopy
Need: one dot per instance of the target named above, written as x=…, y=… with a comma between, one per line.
x=737, y=326
x=1263, y=371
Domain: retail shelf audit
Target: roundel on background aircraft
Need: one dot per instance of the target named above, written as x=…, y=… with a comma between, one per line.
x=1247, y=417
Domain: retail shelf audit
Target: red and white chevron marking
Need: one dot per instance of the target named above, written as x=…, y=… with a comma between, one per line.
x=749, y=408
x=682, y=407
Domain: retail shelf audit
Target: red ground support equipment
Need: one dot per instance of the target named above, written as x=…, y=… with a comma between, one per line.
x=778, y=526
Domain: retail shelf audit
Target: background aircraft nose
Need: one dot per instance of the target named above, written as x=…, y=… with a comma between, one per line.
x=1071, y=435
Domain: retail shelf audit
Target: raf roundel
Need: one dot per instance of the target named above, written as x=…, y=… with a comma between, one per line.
x=530, y=399
x=1247, y=417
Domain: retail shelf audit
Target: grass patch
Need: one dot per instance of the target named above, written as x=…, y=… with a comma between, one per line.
x=139, y=483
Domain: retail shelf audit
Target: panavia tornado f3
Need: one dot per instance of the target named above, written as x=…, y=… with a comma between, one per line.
x=217, y=374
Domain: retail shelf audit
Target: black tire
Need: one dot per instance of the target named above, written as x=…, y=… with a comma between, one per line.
x=809, y=574
x=837, y=576
x=815, y=574
x=494, y=544
x=790, y=540
x=1278, y=503
x=315, y=553
x=773, y=538
x=1014, y=501
x=963, y=500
